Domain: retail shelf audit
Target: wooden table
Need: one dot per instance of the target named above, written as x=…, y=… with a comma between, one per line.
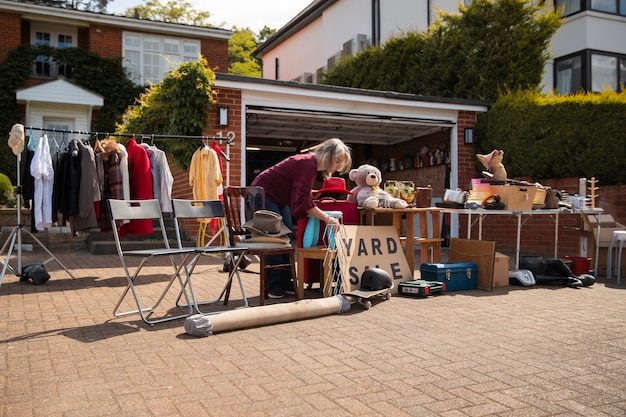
x=428, y=242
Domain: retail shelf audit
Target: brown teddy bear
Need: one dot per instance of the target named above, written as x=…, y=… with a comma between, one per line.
x=368, y=193
x=493, y=163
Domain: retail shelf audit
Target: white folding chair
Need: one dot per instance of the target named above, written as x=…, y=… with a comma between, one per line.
x=207, y=209
x=130, y=210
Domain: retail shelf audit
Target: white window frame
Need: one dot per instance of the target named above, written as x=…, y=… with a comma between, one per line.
x=54, y=32
x=150, y=57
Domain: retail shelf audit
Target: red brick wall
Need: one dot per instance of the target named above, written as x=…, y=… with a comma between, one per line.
x=10, y=33
x=216, y=53
x=105, y=41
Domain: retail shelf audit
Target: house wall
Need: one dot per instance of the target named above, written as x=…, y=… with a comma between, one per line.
x=10, y=33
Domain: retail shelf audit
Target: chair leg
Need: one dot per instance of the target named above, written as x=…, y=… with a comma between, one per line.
x=609, y=260
x=262, y=282
x=298, y=280
x=619, y=259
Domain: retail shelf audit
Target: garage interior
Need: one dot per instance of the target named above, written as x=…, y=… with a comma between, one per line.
x=408, y=149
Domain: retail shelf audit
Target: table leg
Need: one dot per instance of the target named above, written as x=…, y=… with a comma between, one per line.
x=436, y=218
x=518, y=243
x=410, y=239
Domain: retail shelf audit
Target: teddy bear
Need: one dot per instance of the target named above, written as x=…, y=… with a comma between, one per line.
x=368, y=193
x=493, y=163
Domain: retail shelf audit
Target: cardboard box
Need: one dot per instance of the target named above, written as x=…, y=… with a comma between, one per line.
x=500, y=277
x=481, y=252
x=515, y=197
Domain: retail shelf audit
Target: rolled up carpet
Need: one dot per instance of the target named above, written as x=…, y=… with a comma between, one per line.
x=200, y=325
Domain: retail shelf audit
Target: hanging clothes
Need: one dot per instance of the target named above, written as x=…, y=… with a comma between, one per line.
x=140, y=186
x=89, y=191
x=124, y=171
x=162, y=178
x=109, y=175
x=41, y=170
x=204, y=174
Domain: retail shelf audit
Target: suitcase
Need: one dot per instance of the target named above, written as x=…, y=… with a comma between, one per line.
x=456, y=275
x=350, y=216
x=421, y=288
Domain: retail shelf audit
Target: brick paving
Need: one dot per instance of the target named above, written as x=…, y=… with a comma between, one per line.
x=542, y=351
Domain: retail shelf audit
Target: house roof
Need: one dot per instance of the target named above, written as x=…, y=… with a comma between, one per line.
x=84, y=18
x=59, y=91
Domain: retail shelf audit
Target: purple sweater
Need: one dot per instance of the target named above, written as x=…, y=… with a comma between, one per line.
x=289, y=183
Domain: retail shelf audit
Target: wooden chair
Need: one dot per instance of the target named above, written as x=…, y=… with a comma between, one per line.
x=240, y=204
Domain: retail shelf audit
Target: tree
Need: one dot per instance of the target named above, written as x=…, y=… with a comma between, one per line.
x=174, y=11
x=240, y=48
x=488, y=47
x=178, y=105
x=86, y=5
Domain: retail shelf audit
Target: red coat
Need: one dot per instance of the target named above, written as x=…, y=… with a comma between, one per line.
x=140, y=186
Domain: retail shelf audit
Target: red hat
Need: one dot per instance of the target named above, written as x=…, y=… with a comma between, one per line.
x=333, y=185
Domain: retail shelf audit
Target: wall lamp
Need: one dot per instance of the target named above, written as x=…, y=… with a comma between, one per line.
x=222, y=116
x=469, y=136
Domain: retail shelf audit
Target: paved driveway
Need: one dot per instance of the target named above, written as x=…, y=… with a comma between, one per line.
x=543, y=351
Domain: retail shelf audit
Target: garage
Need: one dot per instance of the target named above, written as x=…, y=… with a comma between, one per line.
x=408, y=137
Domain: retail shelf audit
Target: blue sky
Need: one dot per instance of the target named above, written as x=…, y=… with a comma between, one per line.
x=241, y=13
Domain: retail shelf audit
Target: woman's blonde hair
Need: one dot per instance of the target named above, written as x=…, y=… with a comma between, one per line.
x=327, y=153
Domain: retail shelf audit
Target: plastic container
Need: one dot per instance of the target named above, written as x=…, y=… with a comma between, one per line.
x=580, y=265
x=478, y=185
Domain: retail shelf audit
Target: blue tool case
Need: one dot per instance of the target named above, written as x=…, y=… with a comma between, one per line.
x=456, y=275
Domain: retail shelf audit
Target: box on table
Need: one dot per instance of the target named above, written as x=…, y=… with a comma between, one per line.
x=456, y=275
x=515, y=197
x=421, y=288
x=500, y=277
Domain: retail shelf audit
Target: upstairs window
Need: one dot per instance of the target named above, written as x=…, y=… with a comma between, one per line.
x=149, y=57
x=605, y=6
x=56, y=37
x=590, y=71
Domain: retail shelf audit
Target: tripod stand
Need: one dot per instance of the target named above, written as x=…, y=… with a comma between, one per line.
x=16, y=235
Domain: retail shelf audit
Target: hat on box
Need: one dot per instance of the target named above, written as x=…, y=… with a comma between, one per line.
x=16, y=139
x=333, y=185
x=267, y=226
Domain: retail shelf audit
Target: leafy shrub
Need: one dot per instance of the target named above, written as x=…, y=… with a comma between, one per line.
x=6, y=190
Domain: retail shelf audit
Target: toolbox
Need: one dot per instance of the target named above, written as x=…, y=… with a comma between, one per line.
x=456, y=275
x=421, y=288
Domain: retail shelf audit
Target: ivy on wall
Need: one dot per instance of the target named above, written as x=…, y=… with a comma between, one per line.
x=104, y=76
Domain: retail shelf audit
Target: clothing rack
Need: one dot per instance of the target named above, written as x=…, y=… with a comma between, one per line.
x=132, y=135
x=142, y=136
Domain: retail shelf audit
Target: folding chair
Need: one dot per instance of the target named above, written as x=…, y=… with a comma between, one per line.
x=239, y=204
x=207, y=209
x=129, y=210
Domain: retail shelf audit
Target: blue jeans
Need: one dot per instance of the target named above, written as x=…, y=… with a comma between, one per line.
x=279, y=280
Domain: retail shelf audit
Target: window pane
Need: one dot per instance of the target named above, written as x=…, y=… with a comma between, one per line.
x=151, y=68
x=132, y=41
x=603, y=72
x=571, y=6
x=569, y=76
x=622, y=7
x=171, y=46
x=65, y=41
x=604, y=5
x=622, y=73
x=151, y=44
x=42, y=38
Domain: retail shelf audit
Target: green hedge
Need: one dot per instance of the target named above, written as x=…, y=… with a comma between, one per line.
x=546, y=136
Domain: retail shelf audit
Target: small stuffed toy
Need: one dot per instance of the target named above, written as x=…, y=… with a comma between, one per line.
x=368, y=193
x=493, y=163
